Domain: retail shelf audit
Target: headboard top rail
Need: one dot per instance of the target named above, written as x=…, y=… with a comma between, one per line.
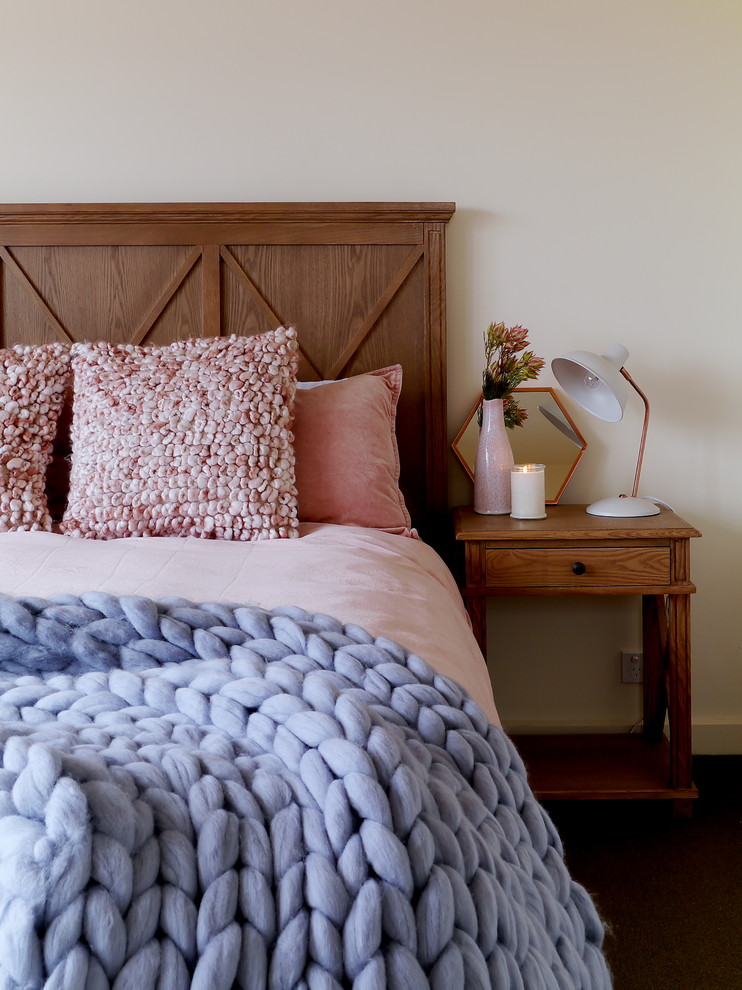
x=54, y=213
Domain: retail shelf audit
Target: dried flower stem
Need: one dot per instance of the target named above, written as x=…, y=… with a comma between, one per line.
x=505, y=367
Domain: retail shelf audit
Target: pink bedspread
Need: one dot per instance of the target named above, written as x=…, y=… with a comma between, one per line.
x=389, y=585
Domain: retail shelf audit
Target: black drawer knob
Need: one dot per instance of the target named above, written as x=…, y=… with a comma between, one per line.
x=578, y=567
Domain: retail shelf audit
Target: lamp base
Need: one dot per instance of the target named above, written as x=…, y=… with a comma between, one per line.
x=623, y=506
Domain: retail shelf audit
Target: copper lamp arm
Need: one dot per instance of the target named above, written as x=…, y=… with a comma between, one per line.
x=644, y=399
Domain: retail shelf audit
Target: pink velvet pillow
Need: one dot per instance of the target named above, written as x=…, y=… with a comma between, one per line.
x=32, y=386
x=347, y=461
x=191, y=439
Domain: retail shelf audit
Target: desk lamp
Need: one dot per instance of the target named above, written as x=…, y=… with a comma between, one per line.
x=598, y=384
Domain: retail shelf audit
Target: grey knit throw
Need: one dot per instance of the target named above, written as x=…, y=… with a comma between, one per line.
x=216, y=796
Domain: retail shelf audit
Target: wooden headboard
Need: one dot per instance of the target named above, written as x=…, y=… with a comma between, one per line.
x=363, y=283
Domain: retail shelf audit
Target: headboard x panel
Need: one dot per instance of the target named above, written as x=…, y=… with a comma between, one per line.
x=363, y=283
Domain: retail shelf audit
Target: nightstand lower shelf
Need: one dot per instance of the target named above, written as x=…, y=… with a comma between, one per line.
x=562, y=767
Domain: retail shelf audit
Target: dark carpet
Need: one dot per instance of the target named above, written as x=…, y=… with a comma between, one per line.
x=669, y=889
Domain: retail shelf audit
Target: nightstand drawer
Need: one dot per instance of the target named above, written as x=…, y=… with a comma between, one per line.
x=577, y=567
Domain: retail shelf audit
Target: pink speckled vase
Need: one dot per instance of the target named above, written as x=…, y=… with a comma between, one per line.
x=493, y=463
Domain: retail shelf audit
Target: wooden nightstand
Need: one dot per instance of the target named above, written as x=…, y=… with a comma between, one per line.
x=573, y=553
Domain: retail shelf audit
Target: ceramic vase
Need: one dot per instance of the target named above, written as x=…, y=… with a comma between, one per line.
x=493, y=462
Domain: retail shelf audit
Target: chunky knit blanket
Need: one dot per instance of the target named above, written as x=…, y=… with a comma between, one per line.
x=216, y=796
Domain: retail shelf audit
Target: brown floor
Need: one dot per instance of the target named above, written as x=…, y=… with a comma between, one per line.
x=670, y=890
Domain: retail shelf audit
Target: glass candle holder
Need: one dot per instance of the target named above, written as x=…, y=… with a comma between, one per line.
x=527, y=490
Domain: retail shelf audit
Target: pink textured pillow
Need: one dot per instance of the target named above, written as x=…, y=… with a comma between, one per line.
x=347, y=461
x=191, y=439
x=32, y=385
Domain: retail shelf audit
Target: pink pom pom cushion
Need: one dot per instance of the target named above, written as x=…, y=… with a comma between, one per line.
x=190, y=439
x=32, y=386
x=347, y=460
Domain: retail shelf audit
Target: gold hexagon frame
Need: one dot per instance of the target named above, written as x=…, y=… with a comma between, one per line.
x=549, y=436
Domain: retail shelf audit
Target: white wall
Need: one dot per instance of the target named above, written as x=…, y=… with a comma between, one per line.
x=594, y=150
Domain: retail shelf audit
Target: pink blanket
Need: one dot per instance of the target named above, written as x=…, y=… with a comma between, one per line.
x=389, y=585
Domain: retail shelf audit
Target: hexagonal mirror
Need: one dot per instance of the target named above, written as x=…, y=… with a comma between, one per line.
x=549, y=436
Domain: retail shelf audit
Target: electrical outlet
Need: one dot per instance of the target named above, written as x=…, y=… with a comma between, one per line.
x=632, y=668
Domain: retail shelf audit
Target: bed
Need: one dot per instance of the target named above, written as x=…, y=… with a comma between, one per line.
x=248, y=738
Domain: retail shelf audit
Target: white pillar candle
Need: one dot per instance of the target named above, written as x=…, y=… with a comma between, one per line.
x=527, y=491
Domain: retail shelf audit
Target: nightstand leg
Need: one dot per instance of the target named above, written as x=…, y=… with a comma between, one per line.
x=476, y=606
x=666, y=644
x=654, y=644
x=678, y=691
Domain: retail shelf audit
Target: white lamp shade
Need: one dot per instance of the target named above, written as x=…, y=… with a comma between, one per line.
x=595, y=382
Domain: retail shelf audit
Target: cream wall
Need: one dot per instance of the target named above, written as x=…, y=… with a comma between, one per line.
x=594, y=150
